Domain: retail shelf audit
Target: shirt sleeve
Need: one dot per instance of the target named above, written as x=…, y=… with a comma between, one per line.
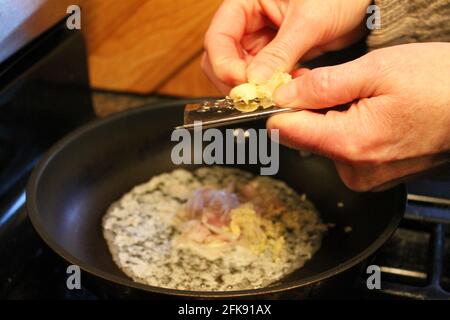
x=407, y=21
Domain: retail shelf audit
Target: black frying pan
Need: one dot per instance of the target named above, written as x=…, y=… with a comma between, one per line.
x=85, y=172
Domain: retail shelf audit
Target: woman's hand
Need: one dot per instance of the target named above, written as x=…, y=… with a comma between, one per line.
x=250, y=39
x=397, y=125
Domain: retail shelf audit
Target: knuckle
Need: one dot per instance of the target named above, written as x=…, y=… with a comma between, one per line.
x=353, y=151
x=379, y=62
x=220, y=69
x=278, y=54
x=357, y=147
x=358, y=151
x=308, y=12
x=353, y=179
x=358, y=184
x=223, y=74
x=208, y=39
x=312, y=19
x=320, y=83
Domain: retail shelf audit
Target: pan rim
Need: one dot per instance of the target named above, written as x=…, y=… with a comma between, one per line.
x=38, y=225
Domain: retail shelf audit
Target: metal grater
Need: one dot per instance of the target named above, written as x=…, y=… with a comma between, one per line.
x=216, y=113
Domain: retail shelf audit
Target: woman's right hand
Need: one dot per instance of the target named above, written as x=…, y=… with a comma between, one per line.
x=250, y=39
x=398, y=121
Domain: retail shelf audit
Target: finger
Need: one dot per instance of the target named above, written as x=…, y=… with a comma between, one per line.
x=299, y=72
x=382, y=176
x=222, y=40
x=207, y=69
x=296, y=35
x=355, y=135
x=335, y=45
x=274, y=10
x=307, y=130
x=312, y=54
x=254, y=42
x=330, y=86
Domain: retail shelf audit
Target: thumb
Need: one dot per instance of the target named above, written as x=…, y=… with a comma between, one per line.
x=294, y=38
x=330, y=86
x=307, y=130
x=335, y=134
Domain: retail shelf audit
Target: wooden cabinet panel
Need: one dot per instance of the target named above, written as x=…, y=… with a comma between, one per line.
x=139, y=46
x=189, y=81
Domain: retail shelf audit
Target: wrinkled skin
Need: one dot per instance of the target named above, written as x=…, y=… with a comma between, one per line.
x=398, y=123
x=250, y=39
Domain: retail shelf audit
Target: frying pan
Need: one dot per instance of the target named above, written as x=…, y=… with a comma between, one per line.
x=77, y=180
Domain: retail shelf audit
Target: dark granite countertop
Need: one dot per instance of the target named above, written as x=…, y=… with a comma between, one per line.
x=107, y=103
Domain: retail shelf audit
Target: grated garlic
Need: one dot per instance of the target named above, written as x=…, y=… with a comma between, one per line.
x=247, y=97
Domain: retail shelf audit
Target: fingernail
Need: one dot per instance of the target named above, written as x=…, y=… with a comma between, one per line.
x=285, y=94
x=259, y=73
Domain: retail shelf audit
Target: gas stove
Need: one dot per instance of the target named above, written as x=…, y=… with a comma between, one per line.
x=36, y=110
